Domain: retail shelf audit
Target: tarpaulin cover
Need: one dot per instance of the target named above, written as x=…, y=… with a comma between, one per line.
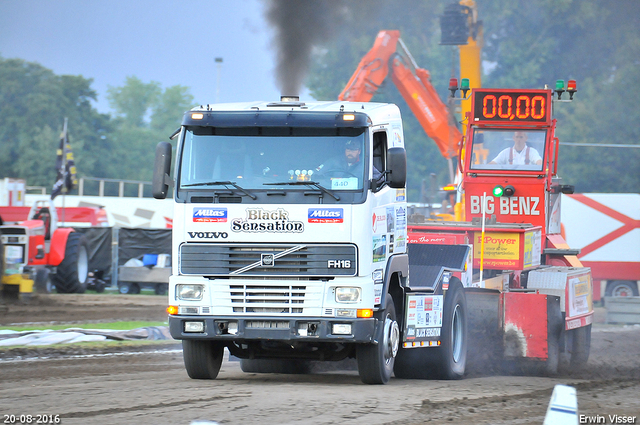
x=132, y=243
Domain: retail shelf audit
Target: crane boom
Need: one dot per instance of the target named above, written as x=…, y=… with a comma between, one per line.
x=390, y=56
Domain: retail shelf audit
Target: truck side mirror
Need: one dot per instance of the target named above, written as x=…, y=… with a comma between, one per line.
x=161, y=170
x=397, y=168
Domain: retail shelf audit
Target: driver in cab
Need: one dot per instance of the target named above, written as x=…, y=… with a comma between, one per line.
x=350, y=163
x=518, y=154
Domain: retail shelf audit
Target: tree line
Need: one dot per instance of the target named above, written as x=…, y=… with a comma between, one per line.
x=527, y=44
x=121, y=145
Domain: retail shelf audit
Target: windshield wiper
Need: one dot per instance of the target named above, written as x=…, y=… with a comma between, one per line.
x=314, y=184
x=223, y=183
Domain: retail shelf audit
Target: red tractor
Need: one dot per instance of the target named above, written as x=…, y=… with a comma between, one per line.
x=39, y=255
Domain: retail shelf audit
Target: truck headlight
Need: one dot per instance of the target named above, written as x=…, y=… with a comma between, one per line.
x=347, y=295
x=189, y=292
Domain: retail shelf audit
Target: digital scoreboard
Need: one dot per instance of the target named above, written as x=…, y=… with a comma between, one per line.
x=512, y=106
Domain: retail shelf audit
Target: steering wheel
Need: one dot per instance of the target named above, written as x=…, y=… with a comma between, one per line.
x=346, y=173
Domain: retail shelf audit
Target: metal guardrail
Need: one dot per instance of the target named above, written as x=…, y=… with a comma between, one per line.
x=42, y=190
x=623, y=309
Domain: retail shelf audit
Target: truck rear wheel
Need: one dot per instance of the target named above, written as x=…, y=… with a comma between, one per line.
x=375, y=362
x=285, y=366
x=448, y=361
x=453, y=350
x=202, y=359
x=72, y=273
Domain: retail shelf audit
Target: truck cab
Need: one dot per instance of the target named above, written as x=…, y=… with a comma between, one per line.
x=289, y=229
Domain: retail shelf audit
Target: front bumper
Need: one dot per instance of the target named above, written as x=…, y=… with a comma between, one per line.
x=303, y=329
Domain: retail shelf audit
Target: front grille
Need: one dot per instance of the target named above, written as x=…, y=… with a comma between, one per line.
x=278, y=299
x=286, y=260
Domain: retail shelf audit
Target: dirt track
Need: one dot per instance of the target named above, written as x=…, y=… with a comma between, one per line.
x=152, y=386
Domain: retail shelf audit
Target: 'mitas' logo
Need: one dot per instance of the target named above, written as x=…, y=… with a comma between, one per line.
x=210, y=215
x=325, y=215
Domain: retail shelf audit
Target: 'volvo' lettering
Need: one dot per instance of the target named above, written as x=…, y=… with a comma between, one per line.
x=208, y=235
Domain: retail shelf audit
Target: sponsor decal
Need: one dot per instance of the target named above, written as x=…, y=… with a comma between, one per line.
x=379, y=248
x=377, y=220
x=209, y=215
x=401, y=195
x=427, y=332
x=515, y=205
x=325, y=215
x=262, y=221
x=208, y=235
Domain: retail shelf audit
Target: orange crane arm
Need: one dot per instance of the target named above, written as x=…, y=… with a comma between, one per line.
x=412, y=83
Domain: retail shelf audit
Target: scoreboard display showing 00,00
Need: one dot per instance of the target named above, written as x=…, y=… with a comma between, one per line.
x=514, y=107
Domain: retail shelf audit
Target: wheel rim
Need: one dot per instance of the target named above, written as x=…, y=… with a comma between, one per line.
x=456, y=334
x=622, y=291
x=83, y=265
x=391, y=339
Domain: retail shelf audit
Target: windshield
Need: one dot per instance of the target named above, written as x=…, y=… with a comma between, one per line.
x=256, y=158
x=508, y=149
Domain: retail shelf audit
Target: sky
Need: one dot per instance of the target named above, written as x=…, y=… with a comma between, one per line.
x=171, y=42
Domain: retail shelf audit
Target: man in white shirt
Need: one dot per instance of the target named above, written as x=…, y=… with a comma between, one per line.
x=519, y=153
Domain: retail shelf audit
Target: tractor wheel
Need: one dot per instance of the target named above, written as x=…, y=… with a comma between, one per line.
x=375, y=361
x=43, y=284
x=72, y=273
x=202, y=359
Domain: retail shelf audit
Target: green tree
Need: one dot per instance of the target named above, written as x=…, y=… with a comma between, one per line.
x=527, y=44
x=35, y=102
x=145, y=115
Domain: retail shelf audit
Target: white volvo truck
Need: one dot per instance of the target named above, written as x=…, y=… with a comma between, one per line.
x=290, y=241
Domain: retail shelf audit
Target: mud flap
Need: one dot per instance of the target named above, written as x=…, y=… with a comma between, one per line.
x=427, y=263
x=485, y=334
x=532, y=327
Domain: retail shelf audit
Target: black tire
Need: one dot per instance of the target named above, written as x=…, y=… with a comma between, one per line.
x=416, y=363
x=202, y=359
x=581, y=346
x=452, y=352
x=73, y=272
x=100, y=287
x=449, y=360
x=43, y=284
x=375, y=362
x=161, y=288
x=128, y=288
x=622, y=288
x=285, y=366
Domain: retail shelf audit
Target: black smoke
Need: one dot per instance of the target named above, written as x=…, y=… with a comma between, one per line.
x=300, y=26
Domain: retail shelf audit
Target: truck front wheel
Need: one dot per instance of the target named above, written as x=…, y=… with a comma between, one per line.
x=202, y=359
x=375, y=362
